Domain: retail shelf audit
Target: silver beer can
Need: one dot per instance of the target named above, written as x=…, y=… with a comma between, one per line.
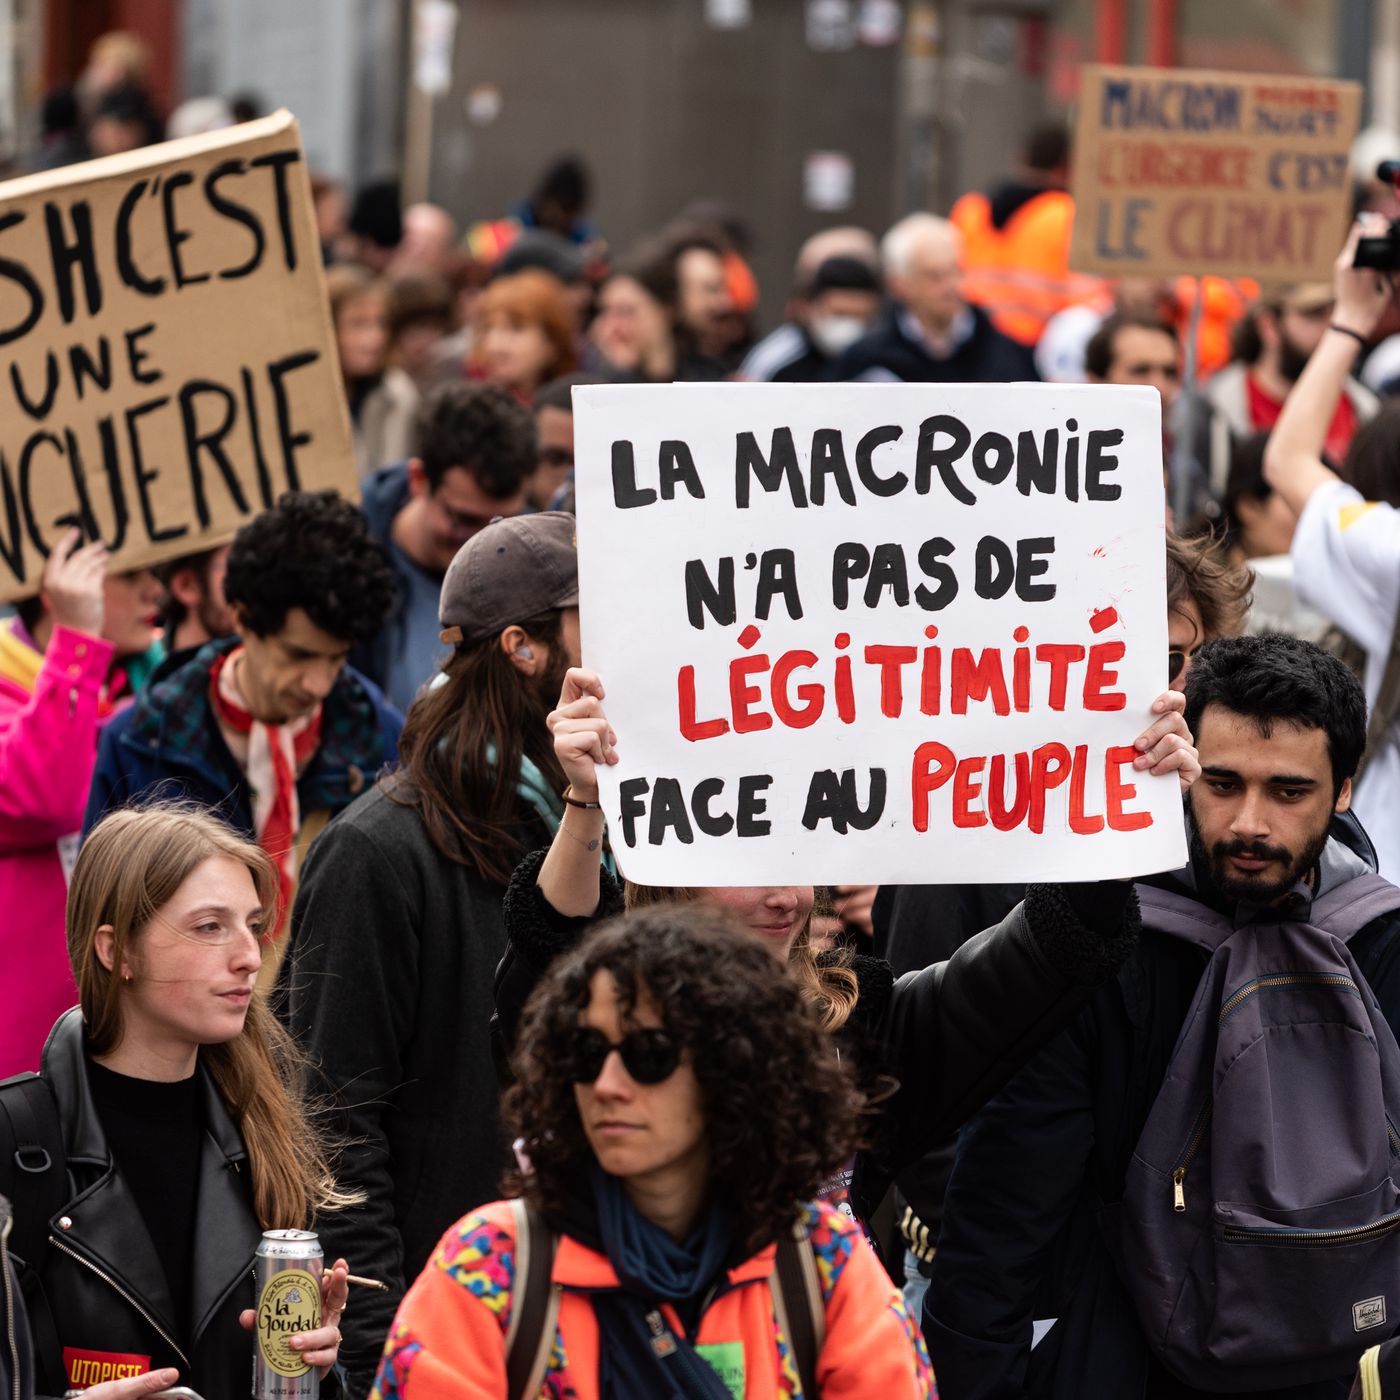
x=287, y=1270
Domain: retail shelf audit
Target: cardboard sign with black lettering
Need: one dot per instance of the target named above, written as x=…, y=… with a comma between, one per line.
x=169, y=369
x=1229, y=174
x=858, y=632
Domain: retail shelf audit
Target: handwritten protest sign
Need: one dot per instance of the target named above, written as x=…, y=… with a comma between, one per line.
x=856, y=632
x=1191, y=171
x=168, y=365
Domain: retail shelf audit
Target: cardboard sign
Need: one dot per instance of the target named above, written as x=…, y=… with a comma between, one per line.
x=856, y=632
x=169, y=369
x=1196, y=172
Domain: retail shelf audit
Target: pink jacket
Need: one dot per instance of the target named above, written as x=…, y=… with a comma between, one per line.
x=49, y=719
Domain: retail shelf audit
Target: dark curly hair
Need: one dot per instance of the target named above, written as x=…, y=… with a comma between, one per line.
x=480, y=427
x=312, y=551
x=1275, y=679
x=1199, y=571
x=781, y=1112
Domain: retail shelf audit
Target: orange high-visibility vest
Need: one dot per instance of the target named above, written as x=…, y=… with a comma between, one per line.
x=1223, y=303
x=1019, y=273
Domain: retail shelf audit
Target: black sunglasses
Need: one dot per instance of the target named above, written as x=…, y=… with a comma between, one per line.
x=1176, y=662
x=649, y=1056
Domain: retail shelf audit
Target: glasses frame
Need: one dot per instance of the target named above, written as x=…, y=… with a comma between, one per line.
x=589, y=1048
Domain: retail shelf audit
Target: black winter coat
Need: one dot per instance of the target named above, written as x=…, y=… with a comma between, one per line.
x=914, y=926
x=386, y=985
x=1020, y=1238
x=986, y=357
x=105, y=1289
x=949, y=1036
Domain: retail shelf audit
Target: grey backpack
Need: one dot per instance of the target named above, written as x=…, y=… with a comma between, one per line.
x=1259, y=1233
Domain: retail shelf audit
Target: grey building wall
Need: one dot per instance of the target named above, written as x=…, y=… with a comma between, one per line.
x=667, y=109
x=337, y=64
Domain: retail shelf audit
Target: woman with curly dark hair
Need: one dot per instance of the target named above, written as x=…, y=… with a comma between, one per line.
x=948, y=1036
x=679, y=1105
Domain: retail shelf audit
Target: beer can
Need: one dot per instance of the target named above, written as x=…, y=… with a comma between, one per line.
x=287, y=1271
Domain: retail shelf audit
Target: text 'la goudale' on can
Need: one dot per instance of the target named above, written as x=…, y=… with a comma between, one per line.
x=288, y=1275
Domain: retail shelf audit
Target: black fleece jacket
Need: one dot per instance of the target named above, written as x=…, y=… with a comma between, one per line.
x=950, y=1035
x=386, y=985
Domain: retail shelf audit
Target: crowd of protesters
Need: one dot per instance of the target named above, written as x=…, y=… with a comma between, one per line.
x=312, y=913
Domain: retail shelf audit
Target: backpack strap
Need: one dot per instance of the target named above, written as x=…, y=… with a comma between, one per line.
x=1180, y=916
x=32, y=1161
x=534, y=1307
x=799, y=1305
x=1350, y=907
x=1367, y=1385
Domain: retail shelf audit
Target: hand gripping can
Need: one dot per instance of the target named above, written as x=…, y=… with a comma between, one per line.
x=288, y=1274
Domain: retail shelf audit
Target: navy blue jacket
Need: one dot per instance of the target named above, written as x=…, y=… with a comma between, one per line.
x=986, y=357
x=385, y=494
x=167, y=743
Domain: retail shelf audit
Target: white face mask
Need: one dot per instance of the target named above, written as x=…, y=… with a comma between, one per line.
x=833, y=334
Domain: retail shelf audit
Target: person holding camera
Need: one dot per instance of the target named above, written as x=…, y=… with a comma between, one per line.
x=1346, y=549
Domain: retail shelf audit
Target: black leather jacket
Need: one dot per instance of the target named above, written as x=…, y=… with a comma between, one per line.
x=106, y=1294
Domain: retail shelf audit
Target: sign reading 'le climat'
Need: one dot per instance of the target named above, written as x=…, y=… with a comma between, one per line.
x=1232, y=174
x=876, y=632
x=168, y=364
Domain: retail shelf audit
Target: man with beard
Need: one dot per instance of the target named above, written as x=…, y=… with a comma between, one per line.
x=1280, y=726
x=397, y=926
x=1272, y=346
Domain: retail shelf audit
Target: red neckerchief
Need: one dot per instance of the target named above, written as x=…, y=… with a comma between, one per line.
x=275, y=753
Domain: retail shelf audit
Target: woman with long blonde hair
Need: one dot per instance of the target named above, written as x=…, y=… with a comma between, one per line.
x=184, y=1136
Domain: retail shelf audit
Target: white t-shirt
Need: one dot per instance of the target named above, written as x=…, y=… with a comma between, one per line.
x=1346, y=564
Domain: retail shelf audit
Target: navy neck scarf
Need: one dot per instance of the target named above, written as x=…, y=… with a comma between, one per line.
x=653, y=1268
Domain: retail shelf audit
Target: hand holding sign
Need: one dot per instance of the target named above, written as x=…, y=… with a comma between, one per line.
x=1167, y=745
x=72, y=586
x=583, y=738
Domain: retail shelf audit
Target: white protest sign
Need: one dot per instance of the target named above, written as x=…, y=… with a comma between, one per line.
x=856, y=632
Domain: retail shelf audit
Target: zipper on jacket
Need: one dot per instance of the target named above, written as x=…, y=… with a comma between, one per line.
x=8, y=1285
x=108, y=1279
x=1287, y=1234
x=1394, y=1134
x=1188, y=1155
x=1285, y=979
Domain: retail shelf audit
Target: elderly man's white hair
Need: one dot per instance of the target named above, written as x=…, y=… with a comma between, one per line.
x=897, y=247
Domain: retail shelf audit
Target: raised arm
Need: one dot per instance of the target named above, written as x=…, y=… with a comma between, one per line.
x=1293, y=463
x=583, y=739
x=48, y=740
